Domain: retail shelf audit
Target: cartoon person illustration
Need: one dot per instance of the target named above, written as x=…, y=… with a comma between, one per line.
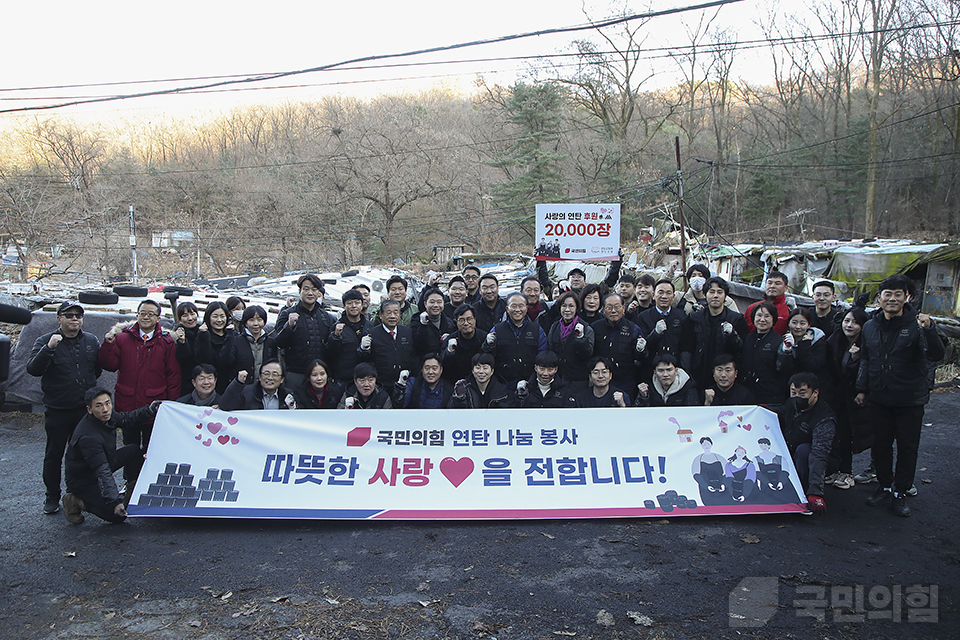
x=743, y=473
x=708, y=468
x=770, y=465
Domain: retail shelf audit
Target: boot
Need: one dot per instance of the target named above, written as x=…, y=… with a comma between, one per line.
x=73, y=508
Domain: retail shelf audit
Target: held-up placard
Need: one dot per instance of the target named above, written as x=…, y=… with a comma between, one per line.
x=450, y=464
x=578, y=232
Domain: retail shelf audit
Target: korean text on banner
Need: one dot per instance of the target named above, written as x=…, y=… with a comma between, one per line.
x=578, y=232
x=532, y=463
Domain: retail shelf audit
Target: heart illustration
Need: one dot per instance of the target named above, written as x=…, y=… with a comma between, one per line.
x=207, y=412
x=747, y=427
x=456, y=471
x=207, y=442
x=199, y=426
x=234, y=440
x=214, y=427
x=233, y=420
x=224, y=439
x=767, y=427
x=199, y=436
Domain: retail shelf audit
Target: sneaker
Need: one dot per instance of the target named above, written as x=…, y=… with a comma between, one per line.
x=51, y=506
x=881, y=496
x=845, y=481
x=73, y=508
x=832, y=478
x=899, y=505
x=912, y=491
x=867, y=476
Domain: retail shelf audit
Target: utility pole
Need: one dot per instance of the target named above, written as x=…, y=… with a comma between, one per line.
x=683, y=227
x=133, y=243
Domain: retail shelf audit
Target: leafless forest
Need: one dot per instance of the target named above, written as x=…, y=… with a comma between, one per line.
x=857, y=135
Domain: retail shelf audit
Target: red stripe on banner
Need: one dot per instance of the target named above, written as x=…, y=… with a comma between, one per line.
x=559, y=514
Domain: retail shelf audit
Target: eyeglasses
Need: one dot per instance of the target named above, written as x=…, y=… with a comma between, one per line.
x=72, y=316
x=147, y=314
x=270, y=374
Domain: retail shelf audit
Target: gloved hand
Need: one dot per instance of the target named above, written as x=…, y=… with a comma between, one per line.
x=424, y=318
x=522, y=388
x=578, y=328
x=290, y=402
x=641, y=345
x=788, y=341
x=460, y=388
x=726, y=327
x=155, y=406
x=365, y=342
x=452, y=345
x=661, y=326
x=816, y=504
x=349, y=402
x=404, y=376
x=492, y=338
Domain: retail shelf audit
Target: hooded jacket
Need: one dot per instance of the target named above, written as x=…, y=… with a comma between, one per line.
x=682, y=393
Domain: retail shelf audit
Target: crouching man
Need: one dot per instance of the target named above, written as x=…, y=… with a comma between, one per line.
x=92, y=457
x=808, y=425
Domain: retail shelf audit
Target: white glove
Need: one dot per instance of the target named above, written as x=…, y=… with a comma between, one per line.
x=641, y=344
x=491, y=338
x=423, y=318
x=661, y=326
x=348, y=403
x=404, y=376
x=579, y=329
x=451, y=345
x=290, y=402
x=522, y=388
x=788, y=342
x=564, y=285
x=727, y=327
x=365, y=342
x=791, y=302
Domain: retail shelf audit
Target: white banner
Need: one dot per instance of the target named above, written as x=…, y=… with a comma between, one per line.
x=578, y=232
x=465, y=464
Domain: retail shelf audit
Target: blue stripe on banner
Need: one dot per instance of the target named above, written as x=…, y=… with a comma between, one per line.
x=247, y=512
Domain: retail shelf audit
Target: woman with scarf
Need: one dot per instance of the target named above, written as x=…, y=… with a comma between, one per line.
x=318, y=390
x=572, y=340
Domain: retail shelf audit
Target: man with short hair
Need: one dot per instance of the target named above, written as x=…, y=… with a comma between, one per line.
x=268, y=393
x=92, y=457
x=365, y=392
x=537, y=310
x=456, y=294
x=389, y=346
x=365, y=292
x=515, y=342
x=808, y=427
x=481, y=390
x=826, y=316
x=545, y=389
x=66, y=362
x=204, y=381
x=397, y=291
x=898, y=348
x=431, y=326
x=618, y=340
x=672, y=386
x=491, y=308
x=145, y=360
x=775, y=292
x=725, y=391
x=715, y=329
x=302, y=330
x=471, y=279
x=458, y=349
x=665, y=327
x=344, y=340
x=426, y=391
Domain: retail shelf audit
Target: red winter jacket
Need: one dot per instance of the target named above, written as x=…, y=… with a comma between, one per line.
x=146, y=371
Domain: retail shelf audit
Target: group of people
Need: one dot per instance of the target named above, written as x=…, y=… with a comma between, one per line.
x=626, y=341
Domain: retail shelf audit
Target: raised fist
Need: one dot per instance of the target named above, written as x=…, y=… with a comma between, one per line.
x=644, y=389
x=452, y=345
x=661, y=326
x=181, y=335
x=708, y=396
x=460, y=389
x=522, y=388
x=788, y=341
x=242, y=377
x=365, y=342
x=54, y=341
x=349, y=402
x=492, y=338
x=641, y=345
x=618, y=398
x=290, y=402
x=404, y=376
x=338, y=329
x=292, y=320
x=423, y=318
x=579, y=329
x=726, y=327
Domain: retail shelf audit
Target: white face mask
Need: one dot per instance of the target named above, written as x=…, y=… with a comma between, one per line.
x=237, y=316
x=697, y=282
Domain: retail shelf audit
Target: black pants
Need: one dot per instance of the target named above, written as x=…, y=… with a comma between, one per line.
x=901, y=425
x=130, y=457
x=59, y=425
x=138, y=435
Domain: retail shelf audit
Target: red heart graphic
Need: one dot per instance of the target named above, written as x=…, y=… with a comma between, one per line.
x=214, y=427
x=207, y=442
x=747, y=427
x=224, y=439
x=233, y=420
x=234, y=440
x=199, y=436
x=767, y=427
x=200, y=426
x=456, y=471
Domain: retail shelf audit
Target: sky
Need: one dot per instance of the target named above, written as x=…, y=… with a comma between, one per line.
x=56, y=43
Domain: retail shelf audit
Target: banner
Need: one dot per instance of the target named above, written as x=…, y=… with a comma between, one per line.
x=578, y=232
x=466, y=464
